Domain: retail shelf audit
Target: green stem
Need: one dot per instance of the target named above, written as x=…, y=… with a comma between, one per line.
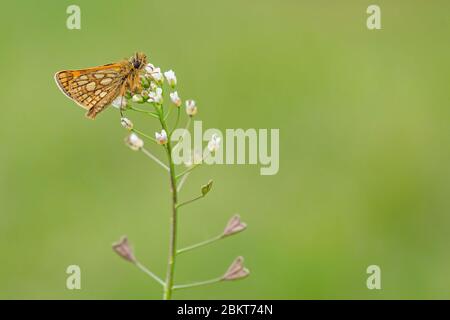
x=186, y=128
x=168, y=288
x=167, y=114
x=182, y=181
x=178, y=118
x=150, y=113
x=187, y=170
x=154, y=158
x=200, y=244
x=197, y=284
x=148, y=272
x=189, y=201
x=143, y=134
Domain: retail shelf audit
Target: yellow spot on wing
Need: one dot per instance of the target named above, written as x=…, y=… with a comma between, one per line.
x=106, y=81
x=90, y=86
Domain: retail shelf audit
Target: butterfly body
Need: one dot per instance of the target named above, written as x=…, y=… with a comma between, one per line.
x=95, y=88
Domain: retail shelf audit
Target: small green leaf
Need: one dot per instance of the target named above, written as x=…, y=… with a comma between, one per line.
x=207, y=187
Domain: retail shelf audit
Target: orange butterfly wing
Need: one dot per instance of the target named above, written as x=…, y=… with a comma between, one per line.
x=93, y=88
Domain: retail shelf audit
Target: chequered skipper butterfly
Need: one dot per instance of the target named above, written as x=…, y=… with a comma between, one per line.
x=95, y=88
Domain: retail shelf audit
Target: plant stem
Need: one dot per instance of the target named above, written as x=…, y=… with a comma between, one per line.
x=144, y=111
x=173, y=222
x=178, y=118
x=186, y=128
x=154, y=158
x=143, y=134
x=187, y=170
x=167, y=114
x=148, y=272
x=190, y=201
x=197, y=284
x=182, y=181
x=200, y=244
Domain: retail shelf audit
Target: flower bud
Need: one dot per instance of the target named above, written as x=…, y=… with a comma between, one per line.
x=161, y=138
x=145, y=82
x=236, y=270
x=123, y=249
x=171, y=78
x=126, y=123
x=191, y=108
x=207, y=188
x=175, y=98
x=134, y=142
x=234, y=226
x=137, y=98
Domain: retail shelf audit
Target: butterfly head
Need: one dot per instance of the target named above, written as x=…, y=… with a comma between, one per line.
x=139, y=60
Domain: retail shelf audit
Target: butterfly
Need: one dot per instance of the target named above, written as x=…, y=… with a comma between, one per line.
x=95, y=88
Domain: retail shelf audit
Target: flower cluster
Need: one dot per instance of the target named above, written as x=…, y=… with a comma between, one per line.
x=152, y=81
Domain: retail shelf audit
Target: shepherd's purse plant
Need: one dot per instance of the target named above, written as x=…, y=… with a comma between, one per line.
x=158, y=100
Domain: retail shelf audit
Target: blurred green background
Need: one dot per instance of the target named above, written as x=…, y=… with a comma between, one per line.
x=364, y=149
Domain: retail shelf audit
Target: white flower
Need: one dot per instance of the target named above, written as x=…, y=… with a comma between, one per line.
x=137, y=98
x=126, y=123
x=134, y=142
x=119, y=102
x=161, y=138
x=153, y=72
x=176, y=100
x=214, y=143
x=157, y=75
x=149, y=68
x=191, y=108
x=156, y=96
x=171, y=78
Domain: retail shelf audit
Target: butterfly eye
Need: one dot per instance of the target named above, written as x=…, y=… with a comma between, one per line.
x=136, y=64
